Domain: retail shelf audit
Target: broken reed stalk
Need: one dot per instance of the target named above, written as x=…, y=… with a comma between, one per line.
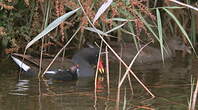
x=120, y=66
x=115, y=52
x=117, y=100
x=41, y=59
x=194, y=98
x=129, y=78
x=191, y=93
x=119, y=78
x=96, y=75
x=80, y=39
x=120, y=83
x=19, y=75
x=120, y=71
x=60, y=51
x=130, y=84
x=128, y=69
x=125, y=100
x=107, y=68
x=43, y=39
x=63, y=56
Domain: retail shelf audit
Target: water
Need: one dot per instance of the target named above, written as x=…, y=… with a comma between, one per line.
x=170, y=83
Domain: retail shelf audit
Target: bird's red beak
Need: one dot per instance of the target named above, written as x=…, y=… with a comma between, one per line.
x=100, y=66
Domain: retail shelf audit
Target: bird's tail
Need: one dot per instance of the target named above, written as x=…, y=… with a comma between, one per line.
x=21, y=64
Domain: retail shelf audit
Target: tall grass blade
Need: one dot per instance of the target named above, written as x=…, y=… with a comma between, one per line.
x=193, y=29
x=96, y=31
x=102, y=10
x=130, y=25
x=147, y=25
x=159, y=27
x=119, y=19
x=115, y=28
x=169, y=7
x=181, y=28
x=50, y=27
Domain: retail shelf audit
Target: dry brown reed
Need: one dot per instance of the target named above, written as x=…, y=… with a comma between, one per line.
x=114, y=51
x=192, y=104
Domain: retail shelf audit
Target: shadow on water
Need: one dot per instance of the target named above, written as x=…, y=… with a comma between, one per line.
x=169, y=82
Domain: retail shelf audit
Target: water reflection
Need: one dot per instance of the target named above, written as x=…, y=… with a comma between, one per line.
x=21, y=87
x=169, y=82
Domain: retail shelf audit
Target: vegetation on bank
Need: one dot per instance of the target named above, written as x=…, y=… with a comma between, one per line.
x=137, y=21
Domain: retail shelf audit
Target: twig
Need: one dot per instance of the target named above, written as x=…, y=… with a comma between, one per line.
x=183, y=4
x=60, y=52
x=128, y=69
x=107, y=68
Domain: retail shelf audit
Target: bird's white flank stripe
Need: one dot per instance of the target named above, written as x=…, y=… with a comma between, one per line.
x=51, y=72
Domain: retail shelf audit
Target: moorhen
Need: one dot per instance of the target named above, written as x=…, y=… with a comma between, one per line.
x=82, y=66
x=151, y=54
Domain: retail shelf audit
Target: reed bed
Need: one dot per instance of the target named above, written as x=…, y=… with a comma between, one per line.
x=134, y=18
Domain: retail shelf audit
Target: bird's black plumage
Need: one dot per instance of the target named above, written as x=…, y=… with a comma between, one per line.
x=83, y=61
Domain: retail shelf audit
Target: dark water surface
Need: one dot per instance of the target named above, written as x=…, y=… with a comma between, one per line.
x=170, y=83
